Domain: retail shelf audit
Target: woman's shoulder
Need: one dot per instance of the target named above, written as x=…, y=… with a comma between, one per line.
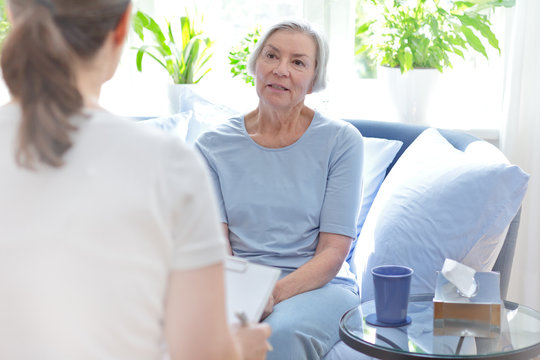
x=229, y=130
x=335, y=126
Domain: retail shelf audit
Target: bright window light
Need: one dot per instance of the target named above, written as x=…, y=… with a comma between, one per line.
x=466, y=97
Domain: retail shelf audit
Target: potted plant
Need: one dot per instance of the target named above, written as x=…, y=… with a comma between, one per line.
x=239, y=55
x=424, y=34
x=183, y=52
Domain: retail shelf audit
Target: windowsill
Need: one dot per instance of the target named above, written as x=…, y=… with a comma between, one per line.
x=137, y=95
x=365, y=100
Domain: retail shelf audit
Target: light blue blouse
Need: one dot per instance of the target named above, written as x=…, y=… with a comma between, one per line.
x=276, y=201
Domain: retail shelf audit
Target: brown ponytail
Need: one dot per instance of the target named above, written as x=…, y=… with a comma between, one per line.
x=37, y=65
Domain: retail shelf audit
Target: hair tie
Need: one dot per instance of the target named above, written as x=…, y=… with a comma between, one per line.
x=46, y=3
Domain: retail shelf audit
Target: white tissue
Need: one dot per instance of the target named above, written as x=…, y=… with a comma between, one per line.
x=461, y=276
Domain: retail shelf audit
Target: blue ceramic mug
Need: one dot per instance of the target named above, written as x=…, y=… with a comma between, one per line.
x=392, y=285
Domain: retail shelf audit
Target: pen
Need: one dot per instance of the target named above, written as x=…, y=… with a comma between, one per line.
x=241, y=316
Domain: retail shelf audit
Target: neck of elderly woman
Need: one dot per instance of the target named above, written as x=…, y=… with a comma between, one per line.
x=276, y=128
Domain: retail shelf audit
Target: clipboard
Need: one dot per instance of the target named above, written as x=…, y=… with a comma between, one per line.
x=248, y=287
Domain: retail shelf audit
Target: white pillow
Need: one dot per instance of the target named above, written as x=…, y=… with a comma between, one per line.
x=437, y=203
x=205, y=116
x=176, y=124
x=378, y=155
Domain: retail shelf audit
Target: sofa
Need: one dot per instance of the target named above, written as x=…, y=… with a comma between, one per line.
x=429, y=194
x=503, y=252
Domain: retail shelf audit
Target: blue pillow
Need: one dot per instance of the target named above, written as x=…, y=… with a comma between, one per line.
x=378, y=155
x=439, y=202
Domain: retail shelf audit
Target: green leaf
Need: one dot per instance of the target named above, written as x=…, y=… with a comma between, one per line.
x=474, y=41
x=138, y=27
x=154, y=28
x=362, y=49
x=182, y=61
x=462, y=5
x=364, y=27
x=140, y=54
x=170, y=31
x=185, y=31
x=199, y=79
x=458, y=51
x=191, y=58
x=477, y=22
x=144, y=50
x=405, y=59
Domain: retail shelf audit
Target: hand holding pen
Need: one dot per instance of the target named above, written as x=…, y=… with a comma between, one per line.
x=253, y=338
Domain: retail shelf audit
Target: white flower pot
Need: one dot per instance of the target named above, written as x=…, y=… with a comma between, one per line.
x=181, y=97
x=409, y=94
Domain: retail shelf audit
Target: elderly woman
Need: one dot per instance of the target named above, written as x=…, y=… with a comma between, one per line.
x=288, y=182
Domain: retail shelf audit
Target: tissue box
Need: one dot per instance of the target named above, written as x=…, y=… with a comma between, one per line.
x=478, y=316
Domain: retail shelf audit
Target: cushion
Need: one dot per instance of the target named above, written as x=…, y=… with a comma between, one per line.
x=439, y=202
x=378, y=155
x=206, y=115
x=199, y=116
x=176, y=124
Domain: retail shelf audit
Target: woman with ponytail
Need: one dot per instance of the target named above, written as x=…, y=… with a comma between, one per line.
x=109, y=236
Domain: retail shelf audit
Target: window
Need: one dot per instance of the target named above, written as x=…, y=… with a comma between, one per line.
x=467, y=97
x=226, y=22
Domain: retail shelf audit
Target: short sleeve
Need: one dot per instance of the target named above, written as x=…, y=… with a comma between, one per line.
x=197, y=237
x=341, y=205
x=203, y=150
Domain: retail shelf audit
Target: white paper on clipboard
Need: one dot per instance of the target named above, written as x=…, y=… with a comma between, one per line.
x=248, y=287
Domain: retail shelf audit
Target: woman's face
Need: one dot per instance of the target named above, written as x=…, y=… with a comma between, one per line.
x=285, y=69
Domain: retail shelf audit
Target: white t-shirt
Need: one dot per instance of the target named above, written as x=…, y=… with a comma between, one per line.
x=86, y=249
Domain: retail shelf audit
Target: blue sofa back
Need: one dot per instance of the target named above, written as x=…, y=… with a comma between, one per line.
x=407, y=133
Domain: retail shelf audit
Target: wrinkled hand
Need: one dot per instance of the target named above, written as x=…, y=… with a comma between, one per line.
x=253, y=340
x=268, y=308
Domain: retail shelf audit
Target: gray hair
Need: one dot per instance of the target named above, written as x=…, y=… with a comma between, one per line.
x=321, y=55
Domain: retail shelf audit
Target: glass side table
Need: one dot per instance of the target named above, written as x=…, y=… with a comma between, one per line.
x=519, y=338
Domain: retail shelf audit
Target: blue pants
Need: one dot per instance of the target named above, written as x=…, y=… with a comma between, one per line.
x=306, y=326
